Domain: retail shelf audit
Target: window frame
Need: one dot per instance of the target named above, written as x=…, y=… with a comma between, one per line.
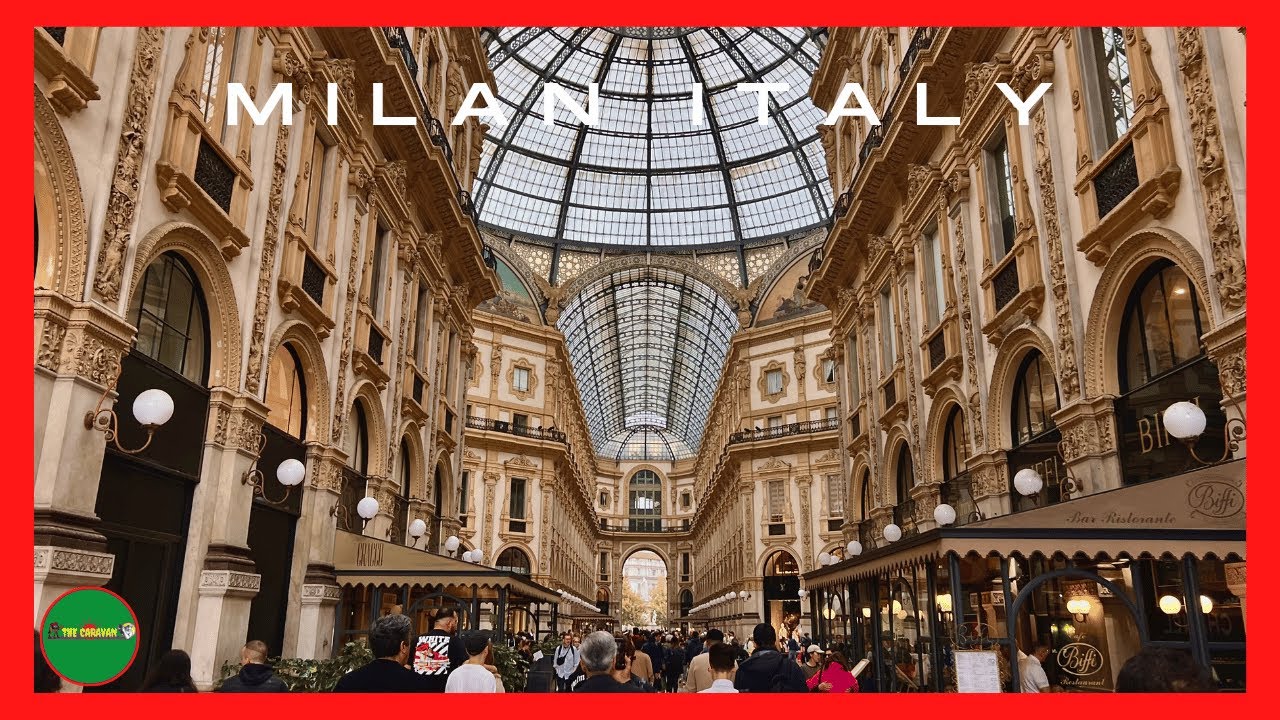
x=997, y=156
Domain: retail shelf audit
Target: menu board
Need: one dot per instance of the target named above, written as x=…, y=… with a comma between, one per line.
x=977, y=671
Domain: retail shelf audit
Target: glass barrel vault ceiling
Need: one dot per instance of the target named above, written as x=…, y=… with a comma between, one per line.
x=647, y=347
x=645, y=175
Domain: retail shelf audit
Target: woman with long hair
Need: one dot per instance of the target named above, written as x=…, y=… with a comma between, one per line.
x=171, y=674
x=835, y=672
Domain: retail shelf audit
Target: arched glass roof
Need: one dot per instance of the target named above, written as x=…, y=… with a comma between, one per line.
x=646, y=174
x=647, y=347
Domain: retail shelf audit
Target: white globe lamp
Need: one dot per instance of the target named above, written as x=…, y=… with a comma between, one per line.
x=290, y=472
x=1184, y=420
x=944, y=514
x=152, y=408
x=417, y=528
x=824, y=558
x=367, y=508
x=853, y=548
x=892, y=533
x=451, y=544
x=1028, y=482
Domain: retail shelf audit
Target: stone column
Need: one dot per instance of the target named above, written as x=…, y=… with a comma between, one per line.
x=219, y=580
x=320, y=591
x=1088, y=444
x=1226, y=346
x=990, y=484
x=78, y=348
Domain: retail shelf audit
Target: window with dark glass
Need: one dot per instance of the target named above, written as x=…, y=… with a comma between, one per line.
x=855, y=377
x=406, y=469
x=286, y=393
x=686, y=500
x=864, y=496
x=828, y=370
x=1161, y=361
x=1004, y=225
x=1114, y=92
x=520, y=420
x=513, y=560
x=378, y=275
x=420, y=325
x=935, y=299
x=955, y=445
x=1035, y=398
x=645, y=502
x=516, y=508
x=463, y=490
x=888, y=332
x=168, y=310
x=906, y=476
x=604, y=567
x=358, y=444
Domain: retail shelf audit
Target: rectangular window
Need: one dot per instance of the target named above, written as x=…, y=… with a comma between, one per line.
x=1004, y=224
x=934, y=297
x=217, y=68
x=1114, y=93
x=516, y=510
x=378, y=274
x=520, y=379
x=604, y=567
x=520, y=420
x=686, y=500
x=855, y=377
x=777, y=500
x=828, y=371
x=604, y=499
x=775, y=421
x=684, y=564
x=315, y=183
x=888, y=332
x=420, y=322
x=832, y=413
x=837, y=489
x=463, y=491
x=773, y=381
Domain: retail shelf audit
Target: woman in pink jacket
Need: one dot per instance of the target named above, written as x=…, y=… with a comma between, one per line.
x=835, y=672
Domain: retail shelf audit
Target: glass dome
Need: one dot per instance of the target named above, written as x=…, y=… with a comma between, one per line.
x=647, y=174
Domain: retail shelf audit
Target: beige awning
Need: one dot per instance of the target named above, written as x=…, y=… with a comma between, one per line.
x=1199, y=513
x=362, y=560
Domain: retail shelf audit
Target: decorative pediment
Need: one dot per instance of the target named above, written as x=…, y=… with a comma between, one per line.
x=521, y=461
x=469, y=454
x=830, y=456
x=774, y=464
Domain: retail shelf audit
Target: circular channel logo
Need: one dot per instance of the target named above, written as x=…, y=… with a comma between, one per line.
x=89, y=636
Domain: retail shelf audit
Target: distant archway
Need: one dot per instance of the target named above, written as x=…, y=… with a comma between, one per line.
x=644, y=591
x=782, y=608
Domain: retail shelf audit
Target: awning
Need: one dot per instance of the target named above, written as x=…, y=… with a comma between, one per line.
x=361, y=560
x=1199, y=513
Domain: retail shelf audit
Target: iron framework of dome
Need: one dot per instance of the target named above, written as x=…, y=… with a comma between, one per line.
x=647, y=347
x=645, y=176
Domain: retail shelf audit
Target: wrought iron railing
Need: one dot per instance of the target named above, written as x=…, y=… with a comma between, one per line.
x=468, y=207
x=843, y=203
x=958, y=493
x=1116, y=181
x=503, y=426
x=646, y=525
x=904, y=514
x=890, y=394
x=59, y=34
x=1005, y=284
x=920, y=41
x=375, y=344
x=313, y=279
x=214, y=175
x=398, y=40
x=353, y=489
x=937, y=350
x=399, y=518
x=798, y=428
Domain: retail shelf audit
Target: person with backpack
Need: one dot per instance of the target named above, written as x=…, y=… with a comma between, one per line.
x=768, y=669
x=673, y=666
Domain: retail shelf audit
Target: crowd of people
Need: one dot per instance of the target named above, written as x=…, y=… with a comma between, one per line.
x=446, y=660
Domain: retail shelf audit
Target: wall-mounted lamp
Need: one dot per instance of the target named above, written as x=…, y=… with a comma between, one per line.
x=417, y=529
x=743, y=595
x=289, y=473
x=1080, y=608
x=892, y=533
x=366, y=509
x=451, y=545
x=1186, y=422
x=152, y=408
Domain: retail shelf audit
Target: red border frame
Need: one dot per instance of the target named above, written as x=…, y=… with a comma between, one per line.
x=16, y=528
x=44, y=619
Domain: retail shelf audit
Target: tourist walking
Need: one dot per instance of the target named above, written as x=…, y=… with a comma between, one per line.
x=255, y=674
x=566, y=662
x=171, y=674
x=390, y=639
x=768, y=669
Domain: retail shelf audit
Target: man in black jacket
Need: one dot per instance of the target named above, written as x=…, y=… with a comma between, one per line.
x=768, y=670
x=693, y=648
x=255, y=674
x=390, y=640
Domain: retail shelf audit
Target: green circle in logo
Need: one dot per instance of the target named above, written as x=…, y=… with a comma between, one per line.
x=89, y=636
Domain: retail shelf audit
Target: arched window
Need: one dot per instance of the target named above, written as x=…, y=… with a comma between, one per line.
x=286, y=393
x=645, y=506
x=864, y=495
x=168, y=309
x=686, y=603
x=906, y=477
x=514, y=560
x=782, y=563
x=358, y=440
x=1161, y=361
x=406, y=469
x=1162, y=326
x=955, y=446
x=1035, y=399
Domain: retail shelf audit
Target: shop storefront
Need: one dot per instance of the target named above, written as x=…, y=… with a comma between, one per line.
x=380, y=578
x=1097, y=579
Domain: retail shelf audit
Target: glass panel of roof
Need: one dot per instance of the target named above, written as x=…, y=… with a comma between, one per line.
x=683, y=173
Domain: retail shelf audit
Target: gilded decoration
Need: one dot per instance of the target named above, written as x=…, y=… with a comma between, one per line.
x=967, y=332
x=523, y=364
x=266, y=265
x=1068, y=370
x=60, y=204
x=1219, y=201
x=122, y=204
x=763, y=382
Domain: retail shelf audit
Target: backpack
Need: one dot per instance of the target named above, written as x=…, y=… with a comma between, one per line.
x=778, y=683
